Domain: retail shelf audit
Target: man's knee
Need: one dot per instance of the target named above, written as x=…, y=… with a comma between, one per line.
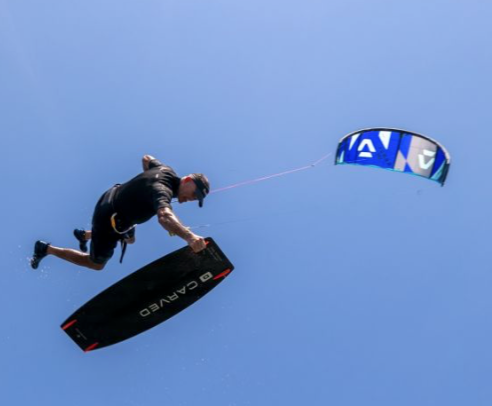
x=95, y=266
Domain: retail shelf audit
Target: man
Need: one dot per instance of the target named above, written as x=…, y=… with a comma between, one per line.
x=126, y=205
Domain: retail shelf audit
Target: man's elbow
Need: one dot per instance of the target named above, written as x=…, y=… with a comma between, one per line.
x=146, y=161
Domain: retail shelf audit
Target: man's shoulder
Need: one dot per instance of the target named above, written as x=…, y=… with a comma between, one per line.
x=165, y=171
x=167, y=168
x=163, y=175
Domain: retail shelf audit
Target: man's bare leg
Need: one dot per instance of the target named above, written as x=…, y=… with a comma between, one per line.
x=75, y=257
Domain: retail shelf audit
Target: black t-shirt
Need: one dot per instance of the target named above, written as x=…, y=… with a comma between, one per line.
x=138, y=200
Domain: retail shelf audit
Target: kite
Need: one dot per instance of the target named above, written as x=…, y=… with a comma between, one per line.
x=396, y=150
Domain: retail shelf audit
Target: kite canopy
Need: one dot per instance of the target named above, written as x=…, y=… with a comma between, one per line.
x=396, y=150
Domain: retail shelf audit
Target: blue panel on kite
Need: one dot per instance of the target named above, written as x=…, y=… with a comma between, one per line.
x=397, y=150
x=148, y=297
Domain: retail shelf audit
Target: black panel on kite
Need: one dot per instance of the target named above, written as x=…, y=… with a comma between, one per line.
x=397, y=150
x=148, y=297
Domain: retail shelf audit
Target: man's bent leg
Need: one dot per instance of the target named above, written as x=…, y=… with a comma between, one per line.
x=82, y=237
x=75, y=257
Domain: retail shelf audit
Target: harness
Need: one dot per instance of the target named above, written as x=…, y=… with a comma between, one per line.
x=115, y=223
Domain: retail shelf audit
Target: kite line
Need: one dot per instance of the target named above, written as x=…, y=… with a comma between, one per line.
x=257, y=180
x=275, y=175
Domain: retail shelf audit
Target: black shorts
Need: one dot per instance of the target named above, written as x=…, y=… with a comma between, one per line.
x=104, y=239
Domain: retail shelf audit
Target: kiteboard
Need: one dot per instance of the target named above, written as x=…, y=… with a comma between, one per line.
x=147, y=297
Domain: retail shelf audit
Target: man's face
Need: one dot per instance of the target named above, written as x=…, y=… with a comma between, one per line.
x=186, y=191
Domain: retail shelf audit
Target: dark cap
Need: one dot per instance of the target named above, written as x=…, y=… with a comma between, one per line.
x=202, y=187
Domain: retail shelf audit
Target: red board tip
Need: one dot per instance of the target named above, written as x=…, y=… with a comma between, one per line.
x=223, y=274
x=91, y=347
x=68, y=325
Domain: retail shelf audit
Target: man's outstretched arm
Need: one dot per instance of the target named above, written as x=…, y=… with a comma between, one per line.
x=171, y=223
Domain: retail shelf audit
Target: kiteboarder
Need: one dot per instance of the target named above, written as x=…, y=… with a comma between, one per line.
x=124, y=206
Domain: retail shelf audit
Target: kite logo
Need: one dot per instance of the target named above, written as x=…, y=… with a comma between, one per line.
x=370, y=146
x=366, y=148
x=426, y=165
x=168, y=299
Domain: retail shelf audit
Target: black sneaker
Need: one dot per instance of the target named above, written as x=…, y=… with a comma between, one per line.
x=40, y=251
x=80, y=236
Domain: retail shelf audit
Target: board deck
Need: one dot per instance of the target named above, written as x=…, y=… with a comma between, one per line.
x=147, y=297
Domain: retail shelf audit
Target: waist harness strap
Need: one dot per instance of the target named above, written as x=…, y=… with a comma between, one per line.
x=128, y=233
x=123, y=250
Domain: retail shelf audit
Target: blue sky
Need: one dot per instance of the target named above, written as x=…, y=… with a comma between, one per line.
x=353, y=286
